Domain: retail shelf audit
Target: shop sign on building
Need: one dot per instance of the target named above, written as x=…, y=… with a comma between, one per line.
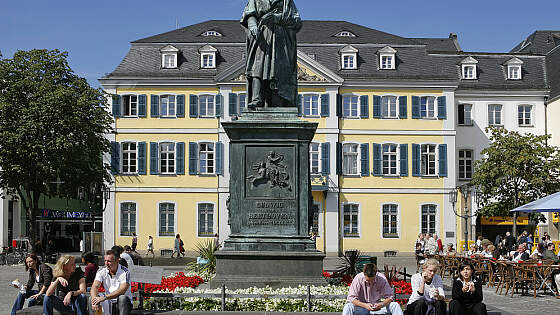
x=503, y=220
x=57, y=214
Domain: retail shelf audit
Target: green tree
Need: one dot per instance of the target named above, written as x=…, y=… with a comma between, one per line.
x=52, y=130
x=514, y=170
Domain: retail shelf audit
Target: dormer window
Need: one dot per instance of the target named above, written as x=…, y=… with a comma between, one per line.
x=208, y=57
x=169, y=57
x=345, y=34
x=387, y=58
x=349, y=57
x=212, y=33
x=468, y=68
x=514, y=68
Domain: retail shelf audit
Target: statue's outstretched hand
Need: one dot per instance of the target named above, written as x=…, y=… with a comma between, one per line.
x=252, y=25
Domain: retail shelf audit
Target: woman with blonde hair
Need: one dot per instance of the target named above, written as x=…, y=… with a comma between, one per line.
x=427, y=291
x=71, y=284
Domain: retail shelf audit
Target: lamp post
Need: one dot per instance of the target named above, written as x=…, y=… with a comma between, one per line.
x=465, y=190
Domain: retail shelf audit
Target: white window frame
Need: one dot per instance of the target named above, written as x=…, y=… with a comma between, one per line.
x=310, y=96
x=397, y=155
x=167, y=95
x=120, y=218
x=464, y=159
x=398, y=220
x=213, y=219
x=345, y=34
x=212, y=58
x=436, y=161
x=318, y=154
x=123, y=106
x=358, y=158
x=436, y=228
x=358, y=106
x=352, y=61
x=531, y=114
x=511, y=74
x=383, y=113
x=164, y=63
x=434, y=97
x=207, y=108
x=390, y=65
x=492, y=114
x=464, y=116
x=200, y=152
x=160, y=152
x=359, y=215
x=158, y=222
x=468, y=75
x=122, y=143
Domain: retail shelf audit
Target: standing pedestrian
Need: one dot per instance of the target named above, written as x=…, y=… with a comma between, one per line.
x=134, y=242
x=82, y=246
x=150, y=246
x=216, y=241
x=177, y=246
x=439, y=244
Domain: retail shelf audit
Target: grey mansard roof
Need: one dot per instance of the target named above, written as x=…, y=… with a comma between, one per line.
x=426, y=59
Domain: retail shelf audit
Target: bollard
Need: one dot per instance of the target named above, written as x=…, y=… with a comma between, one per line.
x=223, y=297
x=140, y=296
x=308, y=299
x=404, y=274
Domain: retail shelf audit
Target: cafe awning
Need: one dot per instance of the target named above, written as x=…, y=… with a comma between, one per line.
x=549, y=203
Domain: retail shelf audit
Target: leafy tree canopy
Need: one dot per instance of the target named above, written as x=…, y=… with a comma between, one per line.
x=52, y=129
x=514, y=170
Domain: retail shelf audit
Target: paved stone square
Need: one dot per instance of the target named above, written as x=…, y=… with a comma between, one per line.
x=522, y=305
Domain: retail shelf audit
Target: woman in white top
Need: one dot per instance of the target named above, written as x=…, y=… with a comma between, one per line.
x=427, y=291
x=150, y=246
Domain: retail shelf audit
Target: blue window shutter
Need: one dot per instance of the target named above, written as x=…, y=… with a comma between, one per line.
x=376, y=106
x=339, y=158
x=141, y=158
x=219, y=158
x=193, y=106
x=193, y=158
x=365, y=158
x=142, y=105
x=339, y=105
x=233, y=104
x=115, y=158
x=325, y=158
x=180, y=169
x=376, y=159
x=325, y=105
x=415, y=107
x=154, y=158
x=402, y=107
x=442, y=107
x=218, y=103
x=404, y=159
x=442, y=160
x=299, y=105
x=154, y=110
x=364, y=106
x=181, y=105
x=117, y=106
x=415, y=160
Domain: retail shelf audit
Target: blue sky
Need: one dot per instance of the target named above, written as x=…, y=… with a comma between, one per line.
x=97, y=34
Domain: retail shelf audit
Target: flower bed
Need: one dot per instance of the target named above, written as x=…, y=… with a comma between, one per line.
x=245, y=304
x=169, y=284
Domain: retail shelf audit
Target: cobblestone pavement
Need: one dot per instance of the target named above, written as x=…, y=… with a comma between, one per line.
x=522, y=305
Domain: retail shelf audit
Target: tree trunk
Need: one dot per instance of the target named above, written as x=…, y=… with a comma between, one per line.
x=514, y=229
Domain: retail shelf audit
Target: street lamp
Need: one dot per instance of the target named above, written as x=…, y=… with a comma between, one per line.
x=465, y=192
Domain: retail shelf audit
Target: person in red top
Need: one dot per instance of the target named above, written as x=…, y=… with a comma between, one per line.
x=90, y=261
x=439, y=244
x=365, y=294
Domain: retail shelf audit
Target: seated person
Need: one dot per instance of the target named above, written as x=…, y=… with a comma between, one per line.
x=116, y=281
x=538, y=251
x=71, y=286
x=467, y=293
x=450, y=250
x=549, y=253
x=419, y=254
x=472, y=250
x=126, y=255
x=39, y=273
x=485, y=253
x=365, y=292
x=520, y=254
x=427, y=291
x=90, y=261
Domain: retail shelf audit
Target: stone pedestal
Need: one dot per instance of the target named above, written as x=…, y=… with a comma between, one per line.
x=269, y=206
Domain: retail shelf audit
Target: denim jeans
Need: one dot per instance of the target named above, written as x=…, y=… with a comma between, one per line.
x=20, y=300
x=393, y=308
x=78, y=304
x=119, y=306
